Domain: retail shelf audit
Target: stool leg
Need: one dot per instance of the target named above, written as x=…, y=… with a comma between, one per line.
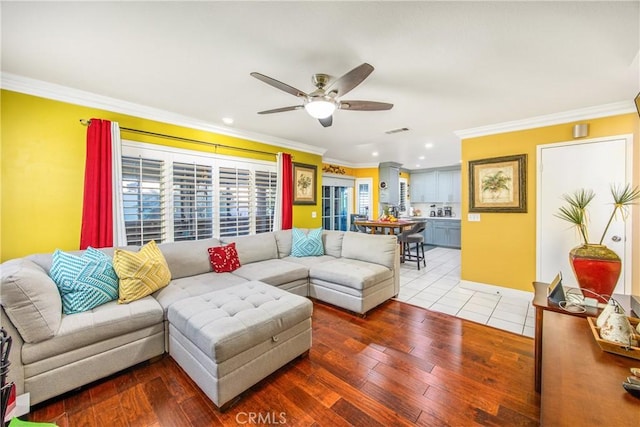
x=418, y=255
x=424, y=259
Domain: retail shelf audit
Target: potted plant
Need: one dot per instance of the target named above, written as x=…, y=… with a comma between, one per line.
x=597, y=268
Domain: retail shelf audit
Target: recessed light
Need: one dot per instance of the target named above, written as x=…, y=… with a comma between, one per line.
x=227, y=120
x=428, y=145
x=417, y=166
x=374, y=154
x=421, y=158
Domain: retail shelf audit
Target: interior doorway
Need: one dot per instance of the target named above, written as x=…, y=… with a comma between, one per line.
x=594, y=164
x=335, y=207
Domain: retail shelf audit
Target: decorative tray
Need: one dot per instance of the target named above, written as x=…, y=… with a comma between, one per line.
x=613, y=347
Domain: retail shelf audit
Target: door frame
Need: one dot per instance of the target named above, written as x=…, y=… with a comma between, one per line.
x=627, y=266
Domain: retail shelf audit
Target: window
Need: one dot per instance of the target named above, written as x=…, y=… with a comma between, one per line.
x=364, y=196
x=192, y=201
x=403, y=195
x=235, y=203
x=174, y=195
x=265, y=196
x=143, y=199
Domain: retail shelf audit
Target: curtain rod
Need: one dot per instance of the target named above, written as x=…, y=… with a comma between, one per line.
x=85, y=122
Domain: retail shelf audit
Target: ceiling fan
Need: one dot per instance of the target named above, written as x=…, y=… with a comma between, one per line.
x=322, y=102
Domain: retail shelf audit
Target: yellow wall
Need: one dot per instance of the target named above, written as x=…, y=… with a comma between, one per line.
x=501, y=249
x=42, y=169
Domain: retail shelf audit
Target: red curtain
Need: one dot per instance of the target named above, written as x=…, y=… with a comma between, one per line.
x=287, y=192
x=97, y=212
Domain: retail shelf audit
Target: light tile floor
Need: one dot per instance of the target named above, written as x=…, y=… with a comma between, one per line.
x=437, y=287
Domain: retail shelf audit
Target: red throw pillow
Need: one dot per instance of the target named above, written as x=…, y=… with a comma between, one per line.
x=224, y=259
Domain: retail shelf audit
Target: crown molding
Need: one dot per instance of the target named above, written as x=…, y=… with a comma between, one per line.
x=57, y=92
x=606, y=110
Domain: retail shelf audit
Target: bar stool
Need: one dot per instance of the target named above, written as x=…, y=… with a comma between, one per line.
x=413, y=235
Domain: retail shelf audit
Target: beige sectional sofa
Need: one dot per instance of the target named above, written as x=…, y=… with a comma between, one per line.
x=53, y=353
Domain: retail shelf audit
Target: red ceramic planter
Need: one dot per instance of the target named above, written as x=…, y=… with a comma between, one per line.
x=597, y=269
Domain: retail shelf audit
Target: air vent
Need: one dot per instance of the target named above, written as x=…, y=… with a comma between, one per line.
x=390, y=132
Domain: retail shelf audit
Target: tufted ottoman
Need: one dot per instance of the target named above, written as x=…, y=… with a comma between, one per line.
x=230, y=339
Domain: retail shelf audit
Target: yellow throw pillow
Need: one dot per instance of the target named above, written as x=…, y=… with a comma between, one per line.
x=141, y=273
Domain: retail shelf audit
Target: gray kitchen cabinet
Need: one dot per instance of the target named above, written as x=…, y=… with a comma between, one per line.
x=423, y=187
x=445, y=233
x=457, y=186
x=445, y=186
x=449, y=186
x=428, y=233
x=389, y=173
x=416, y=187
x=435, y=186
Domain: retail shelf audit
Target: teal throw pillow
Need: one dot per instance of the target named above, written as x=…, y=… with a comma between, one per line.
x=84, y=282
x=307, y=244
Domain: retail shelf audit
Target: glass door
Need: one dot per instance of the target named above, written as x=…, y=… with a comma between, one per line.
x=335, y=207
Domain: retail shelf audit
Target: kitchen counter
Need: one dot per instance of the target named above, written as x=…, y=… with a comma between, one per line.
x=416, y=218
x=440, y=231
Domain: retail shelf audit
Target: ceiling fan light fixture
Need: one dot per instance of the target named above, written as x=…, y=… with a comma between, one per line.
x=320, y=108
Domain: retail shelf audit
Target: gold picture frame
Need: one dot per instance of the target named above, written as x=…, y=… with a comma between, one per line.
x=498, y=184
x=304, y=184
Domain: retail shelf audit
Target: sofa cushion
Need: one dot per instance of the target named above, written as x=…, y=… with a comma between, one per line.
x=141, y=273
x=103, y=322
x=188, y=258
x=350, y=272
x=357, y=246
x=30, y=299
x=45, y=260
x=274, y=272
x=191, y=286
x=332, y=240
x=308, y=261
x=85, y=281
x=283, y=242
x=224, y=259
x=254, y=248
x=306, y=244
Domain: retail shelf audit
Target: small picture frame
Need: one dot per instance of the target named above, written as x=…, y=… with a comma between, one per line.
x=498, y=184
x=304, y=184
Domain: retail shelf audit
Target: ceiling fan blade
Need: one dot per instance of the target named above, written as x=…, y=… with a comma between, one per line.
x=365, y=105
x=326, y=122
x=283, y=109
x=350, y=80
x=279, y=85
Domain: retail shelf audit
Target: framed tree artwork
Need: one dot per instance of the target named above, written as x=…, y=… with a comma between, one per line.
x=498, y=184
x=304, y=184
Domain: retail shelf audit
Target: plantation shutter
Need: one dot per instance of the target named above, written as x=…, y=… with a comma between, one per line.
x=363, y=199
x=403, y=196
x=235, y=201
x=143, y=199
x=265, y=198
x=192, y=201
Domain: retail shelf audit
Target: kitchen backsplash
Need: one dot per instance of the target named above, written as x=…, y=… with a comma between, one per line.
x=426, y=208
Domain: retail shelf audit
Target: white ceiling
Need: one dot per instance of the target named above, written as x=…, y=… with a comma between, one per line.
x=446, y=66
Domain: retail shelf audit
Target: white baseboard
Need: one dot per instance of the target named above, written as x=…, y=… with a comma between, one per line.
x=496, y=290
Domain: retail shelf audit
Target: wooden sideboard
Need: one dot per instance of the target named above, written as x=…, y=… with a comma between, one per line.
x=579, y=384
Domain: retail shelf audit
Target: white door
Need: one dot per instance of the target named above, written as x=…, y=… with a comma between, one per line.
x=563, y=168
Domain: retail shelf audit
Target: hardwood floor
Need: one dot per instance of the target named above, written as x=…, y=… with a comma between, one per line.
x=401, y=365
